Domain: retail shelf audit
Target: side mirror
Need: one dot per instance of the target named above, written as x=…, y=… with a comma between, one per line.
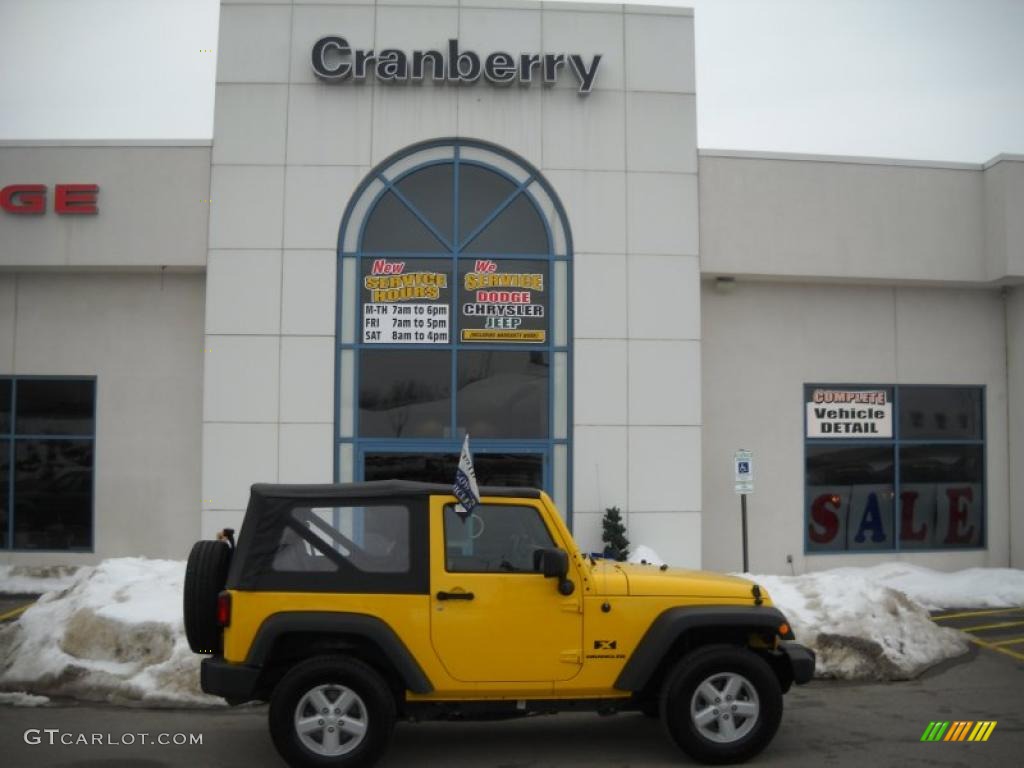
x=554, y=564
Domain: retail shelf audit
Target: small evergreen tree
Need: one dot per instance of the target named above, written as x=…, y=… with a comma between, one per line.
x=616, y=545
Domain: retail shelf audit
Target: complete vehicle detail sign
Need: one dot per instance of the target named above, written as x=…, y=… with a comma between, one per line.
x=849, y=413
x=334, y=60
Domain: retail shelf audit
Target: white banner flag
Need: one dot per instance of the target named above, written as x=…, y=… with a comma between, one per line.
x=466, y=490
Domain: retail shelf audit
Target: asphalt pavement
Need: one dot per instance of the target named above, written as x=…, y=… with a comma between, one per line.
x=826, y=723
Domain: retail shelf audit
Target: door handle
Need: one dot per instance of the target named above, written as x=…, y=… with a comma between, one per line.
x=454, y=595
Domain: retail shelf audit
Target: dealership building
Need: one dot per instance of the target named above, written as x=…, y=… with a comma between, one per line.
x=419, y=220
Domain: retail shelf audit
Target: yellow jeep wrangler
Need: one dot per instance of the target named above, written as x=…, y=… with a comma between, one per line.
x=349, y=606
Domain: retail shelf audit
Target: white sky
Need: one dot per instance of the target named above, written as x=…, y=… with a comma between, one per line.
x=925, y=79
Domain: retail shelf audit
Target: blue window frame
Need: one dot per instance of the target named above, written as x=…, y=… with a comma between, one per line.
x=47, y=458
x=454, y=315
x=892, y=468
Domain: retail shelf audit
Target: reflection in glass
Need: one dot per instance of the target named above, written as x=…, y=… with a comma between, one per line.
x=517, y=229
x=480, y=192
x=5, y=475
x=404, y=393
x=496, y=539
x=503, y=394
x=53, y=494
x=393, y=227
x=942, y=413
x=850, y=495
x=941, y=463
x=516, y=470
x=55, y=406
x=5, y=405
x=430, y=191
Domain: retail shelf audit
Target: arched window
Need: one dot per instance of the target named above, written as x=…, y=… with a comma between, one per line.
x=454, y=286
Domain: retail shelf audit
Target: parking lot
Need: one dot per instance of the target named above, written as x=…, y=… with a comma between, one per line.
x=1000, y=630
x=826, y=724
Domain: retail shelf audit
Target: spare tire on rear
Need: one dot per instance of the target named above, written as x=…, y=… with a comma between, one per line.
x=205, y=576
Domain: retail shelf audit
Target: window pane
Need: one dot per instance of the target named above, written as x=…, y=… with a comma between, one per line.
x=503, y=394
x=944, y=413
x=941, y=495
x=503, y=301
x=5, y=475
x=516, y=470
x=850, y=496
x=55, y=406
x=494, y=539
x=393, y=227
x=53, y=494
x=5, y=405
x=480, y=192
x=367, y=539
x=517, y=229
x=404, y=393
x=430, y=190
x=405, y=301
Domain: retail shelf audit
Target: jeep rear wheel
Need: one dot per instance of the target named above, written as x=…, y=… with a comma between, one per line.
x=331, y=711
x=721, y=704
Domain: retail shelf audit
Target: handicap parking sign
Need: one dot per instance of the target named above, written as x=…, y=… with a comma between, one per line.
x=744, y=471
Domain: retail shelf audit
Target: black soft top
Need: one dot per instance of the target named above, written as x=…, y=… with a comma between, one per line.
x=270, y=511
x=375, y=489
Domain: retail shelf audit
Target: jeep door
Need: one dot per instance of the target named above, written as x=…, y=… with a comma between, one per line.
x=494, y=617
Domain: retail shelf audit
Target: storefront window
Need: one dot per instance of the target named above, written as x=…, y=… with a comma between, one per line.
x=894, y=467
x=454, y=280
x=47, y=429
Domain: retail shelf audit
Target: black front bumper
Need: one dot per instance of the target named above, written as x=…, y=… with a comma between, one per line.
x=235, y=682
x=801, y=661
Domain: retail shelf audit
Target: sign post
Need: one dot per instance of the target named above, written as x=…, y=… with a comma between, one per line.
x=743, y=464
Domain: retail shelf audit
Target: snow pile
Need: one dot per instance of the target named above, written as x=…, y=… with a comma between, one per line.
x=22, y=699
x=35, y=580
x=936, y=590
x=859, y=628
x=115, y=634
x=642, y=554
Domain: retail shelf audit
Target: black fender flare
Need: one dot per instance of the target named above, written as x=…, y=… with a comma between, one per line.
x=674, y=622
x=331, y=623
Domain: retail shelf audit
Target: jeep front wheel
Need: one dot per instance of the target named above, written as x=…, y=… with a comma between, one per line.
x=330, y=711
x=721, y=704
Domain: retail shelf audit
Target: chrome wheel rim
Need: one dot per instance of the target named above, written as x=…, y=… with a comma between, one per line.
x=331, y=720
x=725, y=707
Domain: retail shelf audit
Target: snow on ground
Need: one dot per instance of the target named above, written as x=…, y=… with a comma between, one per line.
x=22, y=699
x=115, y=634
x=34, y=580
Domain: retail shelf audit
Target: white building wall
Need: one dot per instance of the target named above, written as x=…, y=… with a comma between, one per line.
x=764, y=341
x=140, y=335
x=1015, y=413
x=289, y=152
x=799, y=216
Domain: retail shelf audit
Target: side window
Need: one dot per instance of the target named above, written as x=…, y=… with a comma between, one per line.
x=369, y=539
x=494, y=539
